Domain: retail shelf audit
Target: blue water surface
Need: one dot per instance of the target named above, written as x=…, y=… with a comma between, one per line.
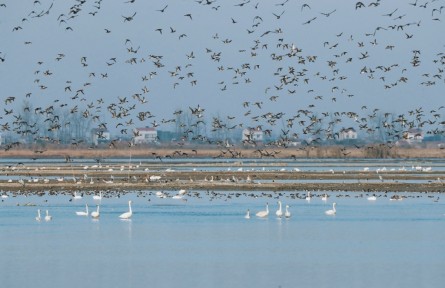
x=204, y=242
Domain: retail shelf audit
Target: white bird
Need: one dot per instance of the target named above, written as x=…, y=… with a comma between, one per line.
x=264, y=213
x=160, y=194
x=83, y=213
x=98, y=197
x=279, y=212
x=247, y=214
x=48, y=217
x=127, y=215
x=372, y=198
x=308, y=197
x=332, y=211
x=38, y=218
x=77, y=197
x=287, y=213
x=95, y=214
x=325, y=197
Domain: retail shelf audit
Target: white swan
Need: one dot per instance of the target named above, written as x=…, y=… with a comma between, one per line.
x=332, y=211
x=372, y=198
x=95, y=214
x=77, y=197
x=308, y=197
x=83, y=213
x=38, y=218
x=98, y=197
x=325, y=197
x=247, y=214
x=127, y=215
x=264, y=213
x=279, y=212
x=160, y=194
x=287, y=212
x=48, y=217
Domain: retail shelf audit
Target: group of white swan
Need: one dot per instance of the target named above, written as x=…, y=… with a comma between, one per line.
x=47, y=217
x=265, y=213
x=286, y=213
x=93, y=214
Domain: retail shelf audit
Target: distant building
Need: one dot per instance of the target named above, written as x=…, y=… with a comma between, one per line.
x=252, y=135
x=145, y=135
x=413, y=135
x=347, y=134
x=100, y=136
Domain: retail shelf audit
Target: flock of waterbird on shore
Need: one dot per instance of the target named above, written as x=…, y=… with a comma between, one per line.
x=267, y=59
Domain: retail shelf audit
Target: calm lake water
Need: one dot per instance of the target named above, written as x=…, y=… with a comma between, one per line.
x=203, y=243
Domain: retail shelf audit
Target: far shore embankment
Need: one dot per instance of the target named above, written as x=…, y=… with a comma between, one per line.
x=369, y=151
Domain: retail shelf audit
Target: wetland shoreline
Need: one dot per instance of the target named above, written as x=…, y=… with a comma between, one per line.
x=80, y=172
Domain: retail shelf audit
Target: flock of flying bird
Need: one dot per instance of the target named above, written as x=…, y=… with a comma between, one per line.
x=286, y=81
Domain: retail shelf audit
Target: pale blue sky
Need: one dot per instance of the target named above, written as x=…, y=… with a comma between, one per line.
x=247, y=37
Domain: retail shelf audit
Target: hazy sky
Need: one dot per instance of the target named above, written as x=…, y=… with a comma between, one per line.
x=163, y=56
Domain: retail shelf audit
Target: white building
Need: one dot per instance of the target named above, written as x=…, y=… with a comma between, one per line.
x=145, y=135
x=100, y=136
x=347, y=134
x=253, y=135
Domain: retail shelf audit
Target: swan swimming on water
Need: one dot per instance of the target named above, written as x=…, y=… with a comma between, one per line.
x=98, y=197
x=287, y=213
x=83, y=213
x=264, y=213
x=48, y=217
x=38, y=218
x=332, y=211
x=279, y=212
x=127, y=215
x=95, y=214
x=247, y=214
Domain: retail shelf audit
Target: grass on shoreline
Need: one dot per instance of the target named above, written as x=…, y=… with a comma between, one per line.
x=232, y=152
